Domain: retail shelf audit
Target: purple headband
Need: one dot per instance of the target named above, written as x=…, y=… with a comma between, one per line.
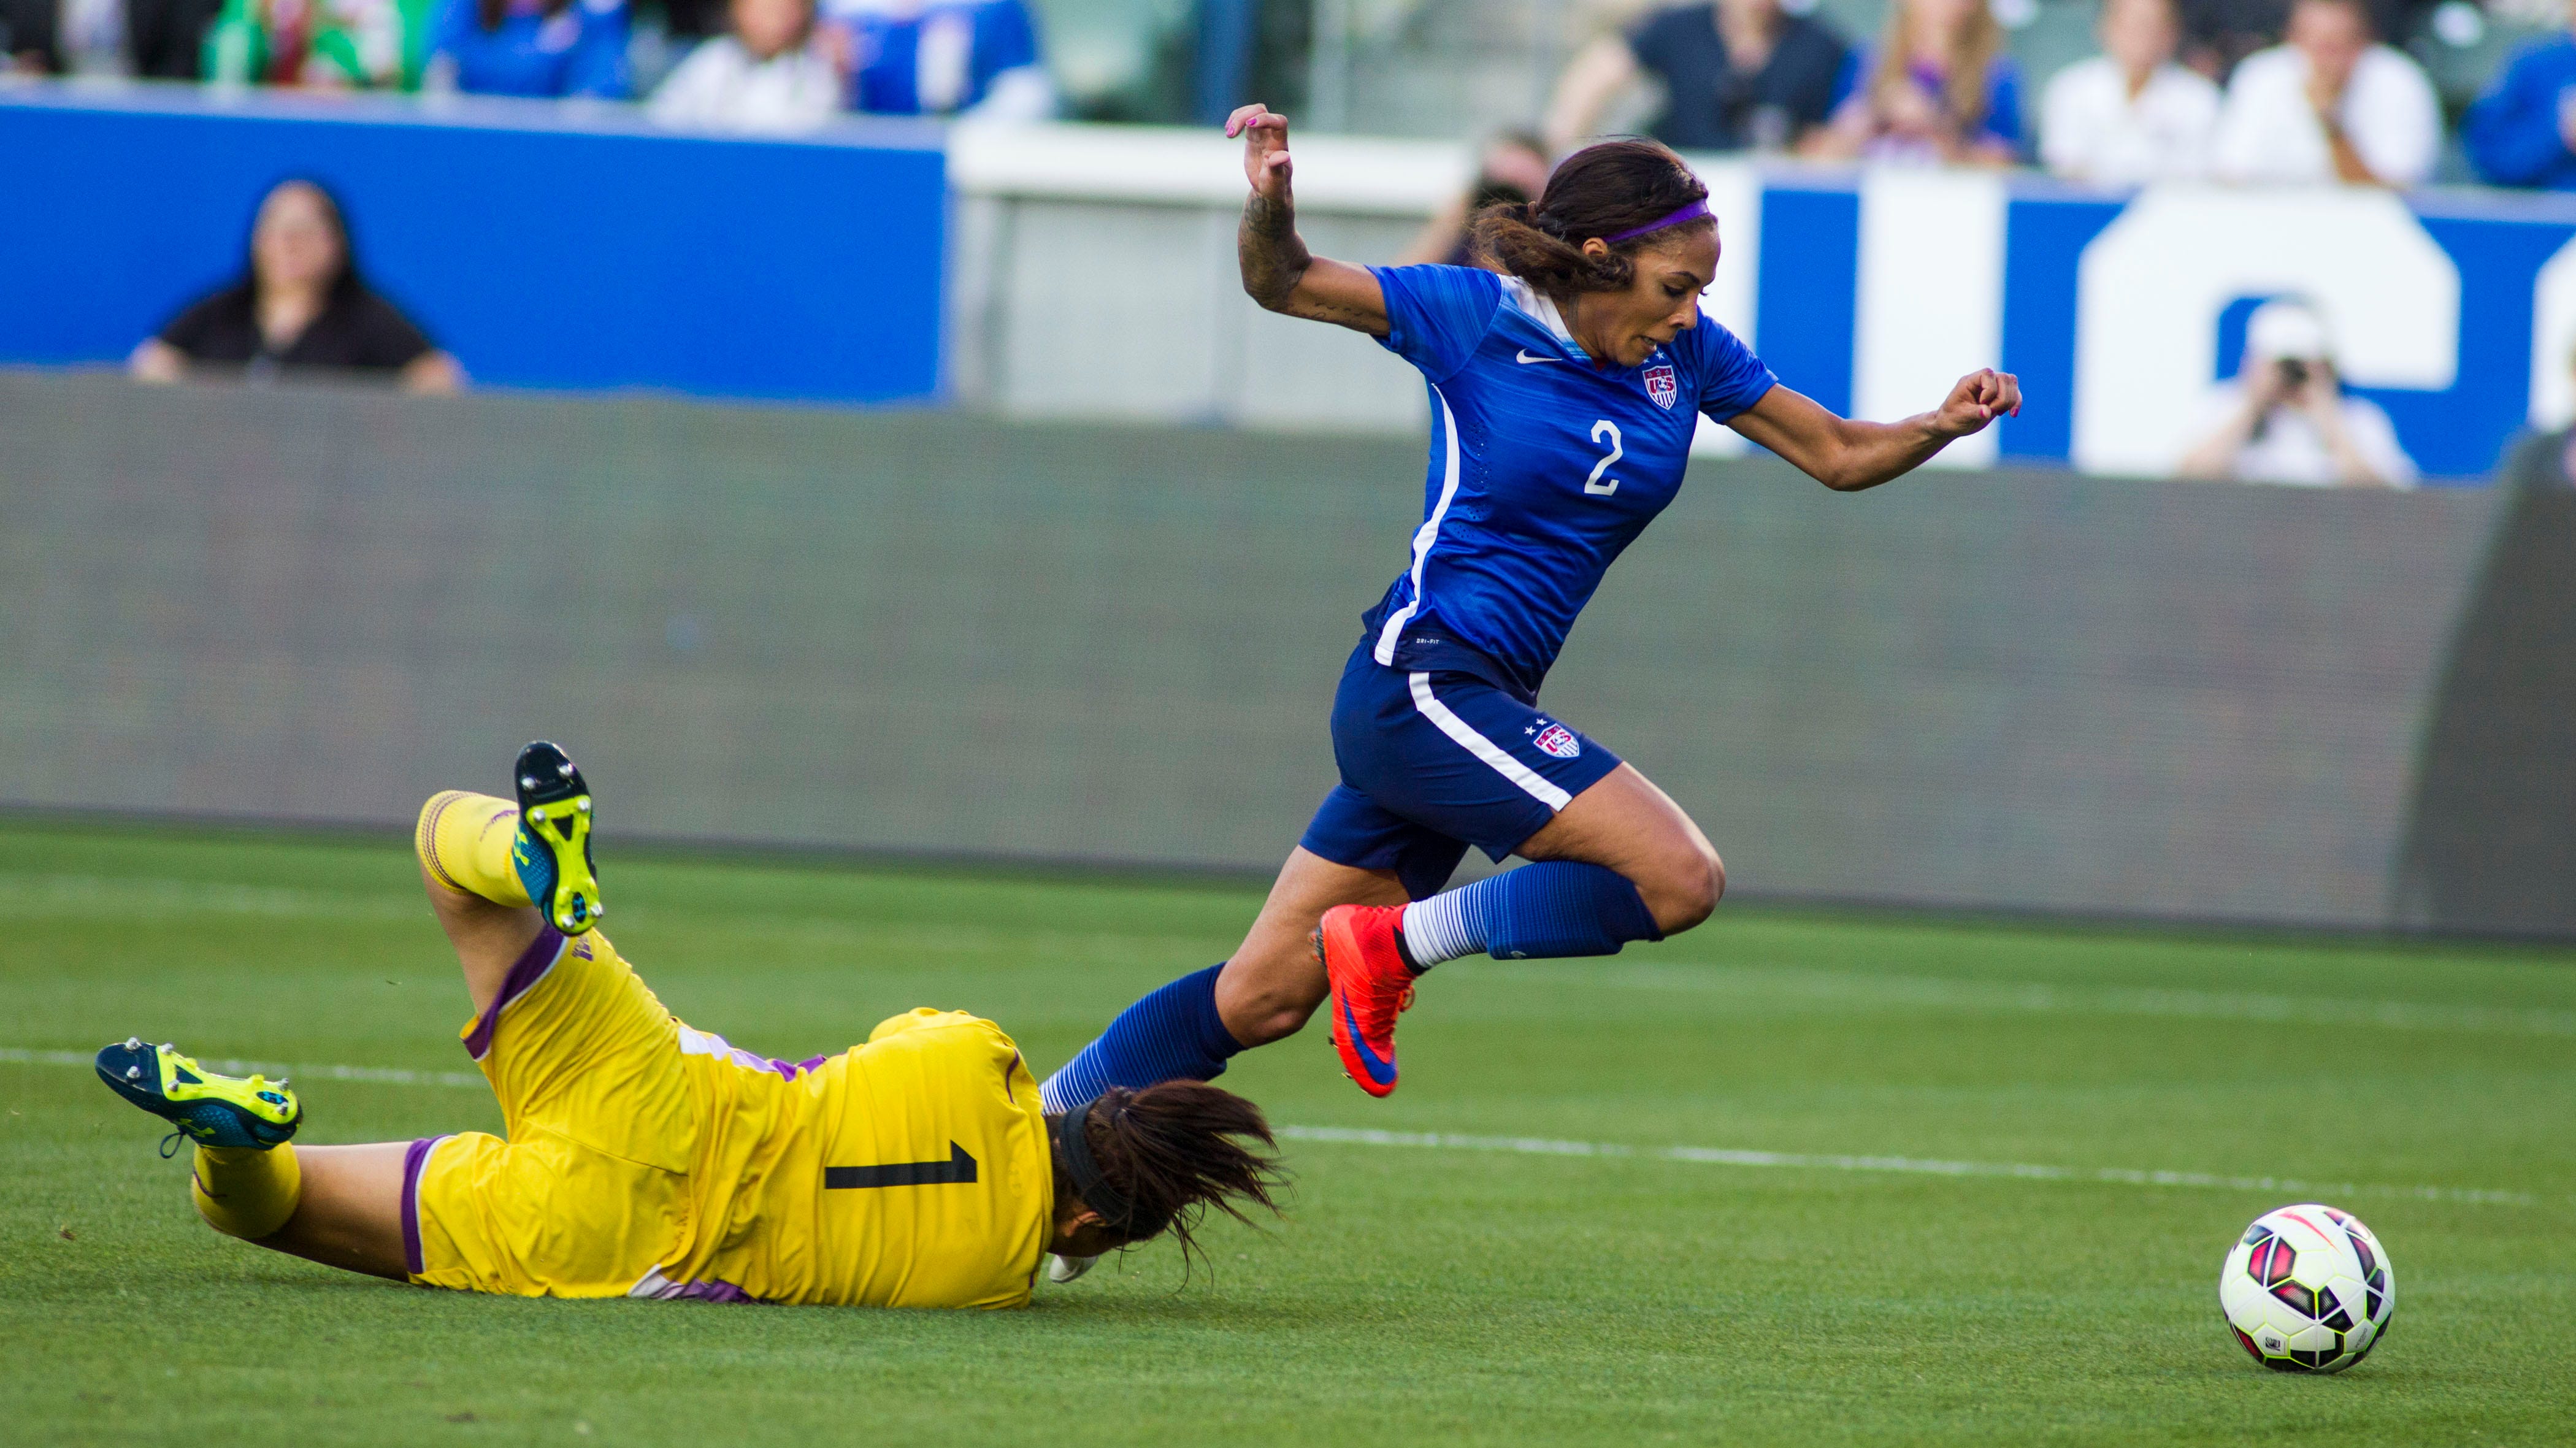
x=1692, y=212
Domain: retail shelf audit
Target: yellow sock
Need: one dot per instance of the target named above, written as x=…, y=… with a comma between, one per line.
x=465, y=839
x=245, y=1192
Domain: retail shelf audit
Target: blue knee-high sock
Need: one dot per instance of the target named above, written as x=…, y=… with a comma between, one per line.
x=1172, y=1034
x=1536, y=912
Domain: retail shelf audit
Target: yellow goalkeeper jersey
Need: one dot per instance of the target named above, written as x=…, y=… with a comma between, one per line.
x=648, y=1159
x=911, y=1171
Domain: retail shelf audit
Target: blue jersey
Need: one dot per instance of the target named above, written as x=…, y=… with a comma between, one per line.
x=1544, y=467
x=936, y=58
x=579, y=50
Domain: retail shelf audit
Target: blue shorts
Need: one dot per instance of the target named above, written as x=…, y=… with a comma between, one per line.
x=1434, y=762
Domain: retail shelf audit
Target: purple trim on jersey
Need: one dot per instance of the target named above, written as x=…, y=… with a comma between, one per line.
x=709, y=1292
x=415, y=1156
x=1692, y=212
x=708, y=1043
x=531, y=967
x=789, y=1069
x=657, y=1288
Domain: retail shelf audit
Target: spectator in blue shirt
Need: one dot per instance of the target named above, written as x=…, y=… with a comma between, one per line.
x=531, y=48
x=2522, y=132
x=1938, y=87
x=944, y=57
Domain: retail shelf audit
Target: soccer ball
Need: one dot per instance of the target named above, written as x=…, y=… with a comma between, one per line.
x=2307, y=1290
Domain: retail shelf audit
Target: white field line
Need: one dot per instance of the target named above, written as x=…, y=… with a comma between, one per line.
x=1852, y=988
x=1921, y=1166
x=1542, y=1146
x=127, y=897
x=381, y=1075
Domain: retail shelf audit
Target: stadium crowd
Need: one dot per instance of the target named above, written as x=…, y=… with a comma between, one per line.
x=752, y=65
x=2252, y=92
x=2246, y=91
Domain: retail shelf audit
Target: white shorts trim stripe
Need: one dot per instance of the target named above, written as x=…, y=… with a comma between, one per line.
x=1483, y=748
x=1426, y=535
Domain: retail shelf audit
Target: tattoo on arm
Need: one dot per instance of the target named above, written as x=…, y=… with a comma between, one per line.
x=1273, y=256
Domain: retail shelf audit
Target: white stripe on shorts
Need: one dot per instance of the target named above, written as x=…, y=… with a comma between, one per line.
x=1485, y=749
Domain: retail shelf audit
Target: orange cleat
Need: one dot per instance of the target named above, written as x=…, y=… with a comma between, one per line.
x=1371, y=985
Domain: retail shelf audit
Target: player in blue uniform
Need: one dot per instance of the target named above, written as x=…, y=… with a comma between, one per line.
x=1565, y=386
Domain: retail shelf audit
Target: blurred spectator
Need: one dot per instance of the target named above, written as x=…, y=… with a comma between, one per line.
x=162, y=39
x=166, y=39
x=1228, y=33
x=2285, y=418
x=30, y=38
x=299, y=307
x=1514, y=168
x=2130, y=115
x=63, y=37
x=530, y=48
x=2216, y=34
x=1938, y=87
x=694, y=20
x=2329, y=106
x=2540, y=461
x=2522, y=132
x=770, y=74
x=944, y=57
x=330, y=44
x=1737, y=75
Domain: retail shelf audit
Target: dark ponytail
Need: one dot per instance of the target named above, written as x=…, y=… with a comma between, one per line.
x=1601, y=190
x=1174, y=1150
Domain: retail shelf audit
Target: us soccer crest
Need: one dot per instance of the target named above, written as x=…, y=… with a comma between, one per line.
x=1661, y=386
x=1556, y=739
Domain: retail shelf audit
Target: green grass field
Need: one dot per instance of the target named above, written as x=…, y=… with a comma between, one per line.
x=1457, y=1292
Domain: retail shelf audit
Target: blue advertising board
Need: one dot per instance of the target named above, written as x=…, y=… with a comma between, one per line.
x=563, y=247
x=2124, y=313
x=546, y=247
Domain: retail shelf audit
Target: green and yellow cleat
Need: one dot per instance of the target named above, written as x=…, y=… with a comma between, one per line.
x=552, y=853
x=208, y=1109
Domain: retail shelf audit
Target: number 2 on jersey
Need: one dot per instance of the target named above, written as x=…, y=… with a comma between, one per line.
x=1597, y=485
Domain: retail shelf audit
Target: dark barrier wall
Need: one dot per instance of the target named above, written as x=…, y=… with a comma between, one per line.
x=2492, y=840
x=545, y=247
x=931, y=631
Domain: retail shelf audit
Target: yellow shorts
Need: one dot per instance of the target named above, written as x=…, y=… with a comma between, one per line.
x=591, y=1192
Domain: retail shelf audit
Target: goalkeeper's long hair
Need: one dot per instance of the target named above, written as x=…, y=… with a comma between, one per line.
x=1179, y=1148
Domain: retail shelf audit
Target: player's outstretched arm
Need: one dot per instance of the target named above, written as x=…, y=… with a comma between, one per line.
x=1278, y=271
x=1848, y=455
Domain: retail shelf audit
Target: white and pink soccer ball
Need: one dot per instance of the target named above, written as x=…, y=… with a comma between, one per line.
x=2307, y=1290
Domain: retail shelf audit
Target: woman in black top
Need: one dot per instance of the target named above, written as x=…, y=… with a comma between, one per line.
x=1738, y=75
x=301, y=306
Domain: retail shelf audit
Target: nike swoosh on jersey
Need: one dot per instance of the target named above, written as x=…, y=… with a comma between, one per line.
x=1524, y=356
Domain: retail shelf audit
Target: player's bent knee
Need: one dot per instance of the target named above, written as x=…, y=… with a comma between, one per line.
x=1685, y=889
x=1274, y=1025
x=1257, y=1011
x=1271, y=1014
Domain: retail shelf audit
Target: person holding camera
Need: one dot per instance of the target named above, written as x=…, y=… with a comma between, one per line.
x=2285, y=418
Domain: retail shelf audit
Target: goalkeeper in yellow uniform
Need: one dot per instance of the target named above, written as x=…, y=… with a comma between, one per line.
x=645, y=1158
